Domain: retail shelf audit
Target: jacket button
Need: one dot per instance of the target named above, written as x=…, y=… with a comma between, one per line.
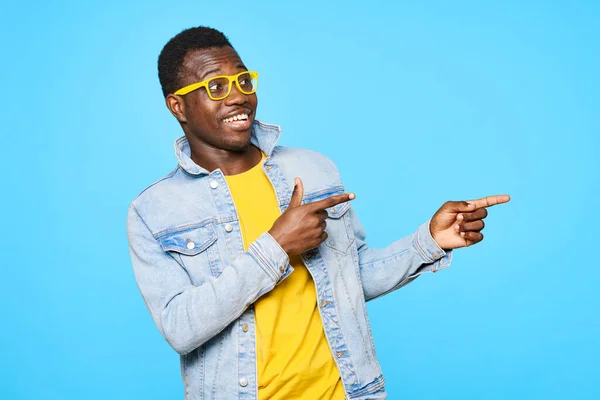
x=243, y=382
x=214, y=184
x=245, y=327
x=228, y=227
x=191, y=245
x=282, y=269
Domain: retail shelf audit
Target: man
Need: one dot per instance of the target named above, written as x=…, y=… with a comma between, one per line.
x=249, y=256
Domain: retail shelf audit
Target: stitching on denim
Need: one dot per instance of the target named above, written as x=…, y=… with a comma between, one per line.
x=419, y=247
x=334, y=247
x=324, y=191
x=182, y=250
x=202, y=363
x=332, y=339
x=236, y=218
x=141, y=219
x=331, y=319
x=183, y=265
x=216, y=378
x=266, y=126
x=213, y=261
x=168, y=176
x=262, y=261
x=340, y=335
x=312, y=196
x=252, y=318
x=183, y=228
x=352, y=248
x=354, y=252
x=384, y=259
x=239, y=340
x=203, y=244
x=377, y=384
x=340, y=266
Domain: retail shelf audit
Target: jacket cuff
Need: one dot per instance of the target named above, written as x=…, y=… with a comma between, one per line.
x=430, y=250
x=270, y=256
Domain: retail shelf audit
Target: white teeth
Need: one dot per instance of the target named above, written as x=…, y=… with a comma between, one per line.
x=239, y=117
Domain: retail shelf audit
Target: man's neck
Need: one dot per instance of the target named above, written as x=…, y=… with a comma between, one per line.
x=230, y=162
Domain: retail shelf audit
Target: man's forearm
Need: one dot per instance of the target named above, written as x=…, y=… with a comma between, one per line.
x=383, y=270
x=188, y=315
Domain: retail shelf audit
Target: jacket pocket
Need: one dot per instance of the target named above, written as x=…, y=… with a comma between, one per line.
x=189, y=241
x=339, y=238
x=338, y=228
x=193, y=246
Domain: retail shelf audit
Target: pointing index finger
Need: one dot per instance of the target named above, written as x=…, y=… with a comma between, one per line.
x=490, y=201
x=331, y=201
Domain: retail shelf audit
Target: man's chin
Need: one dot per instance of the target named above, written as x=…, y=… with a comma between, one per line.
x=240, y=148
x=238, y=143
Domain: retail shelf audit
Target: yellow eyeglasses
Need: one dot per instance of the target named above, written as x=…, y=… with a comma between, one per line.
x=219, y=87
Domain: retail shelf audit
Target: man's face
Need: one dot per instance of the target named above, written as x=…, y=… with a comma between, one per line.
x=208, y=121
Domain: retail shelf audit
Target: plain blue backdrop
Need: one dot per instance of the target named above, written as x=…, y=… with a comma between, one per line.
x=417, y=102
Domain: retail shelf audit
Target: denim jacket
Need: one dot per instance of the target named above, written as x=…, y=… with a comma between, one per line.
x=200, y=285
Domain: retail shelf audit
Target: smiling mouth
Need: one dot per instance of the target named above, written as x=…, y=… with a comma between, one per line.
x=239, y=122
x=236, y=118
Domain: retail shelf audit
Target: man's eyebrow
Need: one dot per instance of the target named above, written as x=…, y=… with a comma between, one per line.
x=212, y=71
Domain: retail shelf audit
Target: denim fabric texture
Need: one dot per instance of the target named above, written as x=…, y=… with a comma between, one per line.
x=200, y=285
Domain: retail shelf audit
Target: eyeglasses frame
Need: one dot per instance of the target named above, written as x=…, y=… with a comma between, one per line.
x=195, y=86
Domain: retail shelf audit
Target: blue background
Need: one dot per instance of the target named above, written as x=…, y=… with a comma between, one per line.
x=417, y=102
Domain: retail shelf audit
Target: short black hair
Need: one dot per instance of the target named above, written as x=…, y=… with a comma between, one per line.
x=171, y=57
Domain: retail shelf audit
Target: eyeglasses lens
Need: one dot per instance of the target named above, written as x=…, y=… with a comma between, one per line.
x=247, y=83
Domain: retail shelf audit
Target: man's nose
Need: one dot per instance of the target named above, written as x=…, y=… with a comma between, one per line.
x=235, y=97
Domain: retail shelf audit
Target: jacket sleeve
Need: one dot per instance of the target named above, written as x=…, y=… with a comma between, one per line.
x=387, y=269
x=186, y=315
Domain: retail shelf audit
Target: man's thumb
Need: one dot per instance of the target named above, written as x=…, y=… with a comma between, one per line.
x=297, y=193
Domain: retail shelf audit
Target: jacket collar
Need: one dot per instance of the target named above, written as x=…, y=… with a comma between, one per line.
x=264, y=136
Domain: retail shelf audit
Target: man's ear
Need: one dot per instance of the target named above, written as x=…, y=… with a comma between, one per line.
x=176, y=106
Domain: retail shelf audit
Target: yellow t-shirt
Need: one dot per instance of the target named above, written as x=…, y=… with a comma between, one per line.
x=293, y=358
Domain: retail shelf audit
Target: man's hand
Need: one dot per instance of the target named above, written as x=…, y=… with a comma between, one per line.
x=302, y=227
x=459, y=223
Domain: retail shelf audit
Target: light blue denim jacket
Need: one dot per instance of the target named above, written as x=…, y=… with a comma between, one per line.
x=200, y=285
